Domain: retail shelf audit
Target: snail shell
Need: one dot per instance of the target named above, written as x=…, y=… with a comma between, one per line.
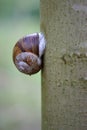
x=27, y=53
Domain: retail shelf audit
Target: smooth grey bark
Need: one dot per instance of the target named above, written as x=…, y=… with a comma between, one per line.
x=64, y=74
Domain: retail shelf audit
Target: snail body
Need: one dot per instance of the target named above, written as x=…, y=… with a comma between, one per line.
x=27, y=53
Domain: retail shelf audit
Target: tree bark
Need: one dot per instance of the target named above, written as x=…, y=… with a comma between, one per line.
x=64, y=74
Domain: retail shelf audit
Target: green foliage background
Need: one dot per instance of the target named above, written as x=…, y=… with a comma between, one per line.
x=20, y=97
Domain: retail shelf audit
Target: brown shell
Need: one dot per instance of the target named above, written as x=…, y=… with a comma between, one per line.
x=28, y=63
x=27, y=53
x=29, y=43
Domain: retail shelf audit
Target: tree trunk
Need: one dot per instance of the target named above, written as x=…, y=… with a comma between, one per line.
x=64, y=74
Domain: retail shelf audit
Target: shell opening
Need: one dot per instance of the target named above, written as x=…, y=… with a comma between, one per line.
x=42, y=44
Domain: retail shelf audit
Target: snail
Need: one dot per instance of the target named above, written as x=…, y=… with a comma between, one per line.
x=27, y=53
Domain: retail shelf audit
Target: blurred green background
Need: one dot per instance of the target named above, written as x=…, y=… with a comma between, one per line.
x=20, y=95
